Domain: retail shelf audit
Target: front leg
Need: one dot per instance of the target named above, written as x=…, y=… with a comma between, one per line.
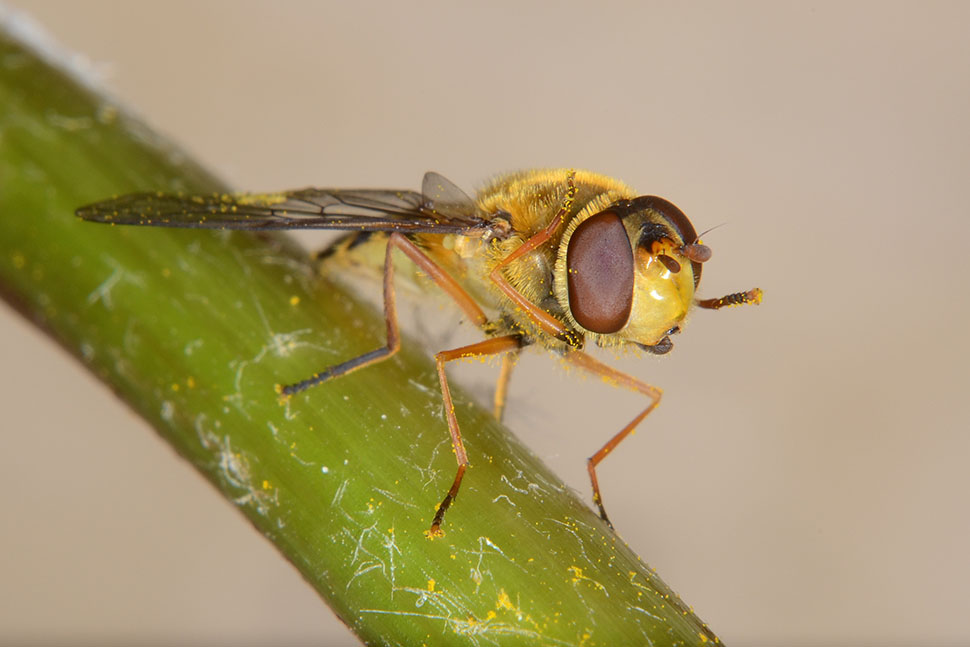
x=546, y=322
x=613, y=376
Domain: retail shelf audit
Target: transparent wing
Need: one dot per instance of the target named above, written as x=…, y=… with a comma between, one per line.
x=445, y=198
x=348, y=209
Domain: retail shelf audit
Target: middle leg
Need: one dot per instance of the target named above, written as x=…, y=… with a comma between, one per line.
x=485, y=348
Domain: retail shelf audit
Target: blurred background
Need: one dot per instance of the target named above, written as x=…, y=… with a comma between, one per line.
x=813, y=451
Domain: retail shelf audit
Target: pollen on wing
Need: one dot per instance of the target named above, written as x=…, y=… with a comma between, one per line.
x=251, y=199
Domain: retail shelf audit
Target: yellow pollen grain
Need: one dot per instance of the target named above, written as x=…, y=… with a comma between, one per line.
x=294, y=300
x=504, y=601
x=431, y=584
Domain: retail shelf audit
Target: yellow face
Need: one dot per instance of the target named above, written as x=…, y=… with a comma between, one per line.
x=631, y=271
x=662, y=294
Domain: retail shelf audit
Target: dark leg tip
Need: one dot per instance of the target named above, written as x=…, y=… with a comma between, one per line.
x=604, y=516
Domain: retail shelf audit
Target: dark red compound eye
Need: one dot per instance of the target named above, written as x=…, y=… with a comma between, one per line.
x=599, y=270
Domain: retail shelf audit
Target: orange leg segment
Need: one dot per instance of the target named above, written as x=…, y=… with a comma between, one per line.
x=502, y=386
x=429, y=267
x=549, y=324
x=587, y=363
x=493, y=346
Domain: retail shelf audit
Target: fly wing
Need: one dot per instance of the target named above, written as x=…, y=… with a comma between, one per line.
x=445, y=198
x=346, y=209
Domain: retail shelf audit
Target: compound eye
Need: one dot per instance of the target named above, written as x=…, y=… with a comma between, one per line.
x=599, y=270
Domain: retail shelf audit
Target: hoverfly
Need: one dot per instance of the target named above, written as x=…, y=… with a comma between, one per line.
x=558, y=257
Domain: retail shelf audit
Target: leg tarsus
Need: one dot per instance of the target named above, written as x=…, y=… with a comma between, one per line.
x=378, y=355
x=337, y=370
x=439, y=515
x=597, y=498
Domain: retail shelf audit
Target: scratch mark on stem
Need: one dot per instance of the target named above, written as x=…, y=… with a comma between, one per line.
x=118, y=274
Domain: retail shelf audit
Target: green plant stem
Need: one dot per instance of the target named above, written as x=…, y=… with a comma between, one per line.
x=194, y=330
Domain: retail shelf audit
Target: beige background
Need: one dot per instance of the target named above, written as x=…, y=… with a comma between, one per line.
x=814, y=450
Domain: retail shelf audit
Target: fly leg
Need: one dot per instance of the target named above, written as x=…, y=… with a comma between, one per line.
x=618, y=378
x=493, y=346
x=540, y=317
x=502, y=386
x=441, y=279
